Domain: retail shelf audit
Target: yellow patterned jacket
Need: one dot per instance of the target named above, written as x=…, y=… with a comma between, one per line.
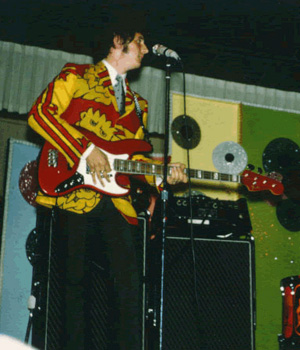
x=83, y=96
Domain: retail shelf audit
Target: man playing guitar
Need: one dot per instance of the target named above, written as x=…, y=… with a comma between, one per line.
x=79, y=117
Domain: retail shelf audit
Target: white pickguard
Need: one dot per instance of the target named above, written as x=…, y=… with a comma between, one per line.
x=110, y=187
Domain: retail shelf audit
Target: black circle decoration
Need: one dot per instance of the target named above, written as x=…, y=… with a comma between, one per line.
x=186, y=132
x=291, y=184
x=288, y=214
x=281, y=155
x=229, y=157
x=32, y=247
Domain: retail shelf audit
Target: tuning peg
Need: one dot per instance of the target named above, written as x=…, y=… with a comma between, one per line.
x=259, y=170
x=250, y=166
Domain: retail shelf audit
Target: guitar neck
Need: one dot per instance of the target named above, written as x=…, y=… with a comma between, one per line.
x=143, y=168
x=213, y=176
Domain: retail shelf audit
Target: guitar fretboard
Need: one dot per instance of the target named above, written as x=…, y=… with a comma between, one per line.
x=143, y=168
x=215, y=176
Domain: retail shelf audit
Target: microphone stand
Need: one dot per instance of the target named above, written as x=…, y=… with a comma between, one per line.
x=164, y=197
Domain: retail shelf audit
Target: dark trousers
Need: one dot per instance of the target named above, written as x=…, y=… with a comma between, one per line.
x=104, y=239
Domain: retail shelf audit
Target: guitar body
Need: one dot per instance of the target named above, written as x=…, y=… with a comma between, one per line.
x=57, y=178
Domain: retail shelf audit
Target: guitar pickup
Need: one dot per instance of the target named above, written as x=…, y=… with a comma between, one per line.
x=52, y=158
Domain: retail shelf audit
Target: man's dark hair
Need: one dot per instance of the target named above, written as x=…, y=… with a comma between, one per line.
x=125, y=36
x=125, y=26
x=126, y=33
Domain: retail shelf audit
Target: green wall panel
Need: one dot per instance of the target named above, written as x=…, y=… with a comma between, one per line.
x=277, y=249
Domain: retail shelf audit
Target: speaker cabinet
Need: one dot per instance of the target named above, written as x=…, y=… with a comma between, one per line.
x=208, y=293
x=48, y=275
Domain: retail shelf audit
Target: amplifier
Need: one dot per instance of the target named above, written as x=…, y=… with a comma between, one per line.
x=48, y=276
x=207, y=214
x=208, y=294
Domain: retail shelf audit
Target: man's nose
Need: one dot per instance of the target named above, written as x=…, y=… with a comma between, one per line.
x=145, y=49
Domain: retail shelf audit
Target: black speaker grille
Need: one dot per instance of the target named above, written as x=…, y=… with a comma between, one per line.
x=54, y=319
x=99, y=309
x=54, y=294
x=50, y=330
x=217, y=312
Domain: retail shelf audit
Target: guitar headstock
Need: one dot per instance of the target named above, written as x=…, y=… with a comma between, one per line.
x=257, y=182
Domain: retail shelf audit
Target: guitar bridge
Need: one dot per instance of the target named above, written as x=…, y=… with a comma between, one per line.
x=52, y=158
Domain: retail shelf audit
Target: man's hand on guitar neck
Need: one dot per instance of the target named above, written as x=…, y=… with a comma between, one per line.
x=99, y=165
x=177, y=175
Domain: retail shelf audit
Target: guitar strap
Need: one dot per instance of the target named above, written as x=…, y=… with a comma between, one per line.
x=140, y=115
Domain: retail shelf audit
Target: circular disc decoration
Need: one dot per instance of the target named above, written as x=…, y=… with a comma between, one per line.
x=288, y=214
x=186, y=132
x=291, y=183
x=28, y=183
x=229, y=157
x=281, y=155
x=31, y=247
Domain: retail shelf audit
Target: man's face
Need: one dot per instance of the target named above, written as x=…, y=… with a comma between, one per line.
x=134, y=52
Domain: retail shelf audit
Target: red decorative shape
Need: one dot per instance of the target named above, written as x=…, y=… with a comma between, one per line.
x=288, y=316
x=28, y=182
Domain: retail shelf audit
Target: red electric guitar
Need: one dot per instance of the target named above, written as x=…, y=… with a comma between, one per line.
x=56, y=178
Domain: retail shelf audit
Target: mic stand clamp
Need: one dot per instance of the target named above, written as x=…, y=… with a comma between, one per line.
x=31, y=303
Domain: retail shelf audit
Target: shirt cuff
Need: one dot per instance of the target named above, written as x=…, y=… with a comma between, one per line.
x=88, y=151
x=158, y=180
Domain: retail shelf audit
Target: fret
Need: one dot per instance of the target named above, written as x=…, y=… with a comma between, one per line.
x=225, y=177
x=121, y=165
x=116, y=164
x=132, y=166
x=138, y=166
x=207, y=175
x=197, y=174
x=148, y=169
x=129, y=167
x=159, y=169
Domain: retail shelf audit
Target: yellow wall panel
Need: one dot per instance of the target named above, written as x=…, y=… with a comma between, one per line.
x=219, y=121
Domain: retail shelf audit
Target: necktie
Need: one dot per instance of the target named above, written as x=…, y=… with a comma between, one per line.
x=120, y=94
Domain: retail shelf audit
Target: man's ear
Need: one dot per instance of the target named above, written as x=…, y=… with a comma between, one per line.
x=118, y=42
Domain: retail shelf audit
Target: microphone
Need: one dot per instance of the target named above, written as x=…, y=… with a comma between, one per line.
x=160, y=50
